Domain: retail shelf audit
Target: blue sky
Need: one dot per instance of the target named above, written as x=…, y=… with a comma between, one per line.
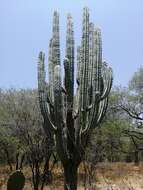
x=25, y=29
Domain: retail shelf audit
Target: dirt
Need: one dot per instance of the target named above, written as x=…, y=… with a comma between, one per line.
x=106, y=176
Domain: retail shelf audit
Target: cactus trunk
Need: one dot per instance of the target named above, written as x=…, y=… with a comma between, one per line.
x=70, y=177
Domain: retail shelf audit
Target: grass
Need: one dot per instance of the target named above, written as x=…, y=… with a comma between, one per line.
x=105, y=176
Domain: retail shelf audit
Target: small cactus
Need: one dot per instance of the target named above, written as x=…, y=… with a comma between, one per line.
x=16, y=181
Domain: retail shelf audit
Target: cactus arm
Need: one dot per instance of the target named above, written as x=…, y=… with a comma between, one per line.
x=51, y=72
x=98, y=58
x=56, y=40
x=59, y=117
x=107, y=80
x=100, y=80
x=58, y=99
x=91, y=62
x=79, y=64
x=94, y=62
x=93, y=93
x=69, y=62
x=41, y=89
x=76, y=104
x=94, y=112
x=85, y=59
x=102, y=110
x=67, y=78
x=77, y=95
x=83, y=87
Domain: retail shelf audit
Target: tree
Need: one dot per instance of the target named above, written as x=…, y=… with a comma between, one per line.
x=132, y=104
x=22, y=136
x=8, y=143
x=136, y=143
x=136, y=82
x=73, y=118
x=108, y=142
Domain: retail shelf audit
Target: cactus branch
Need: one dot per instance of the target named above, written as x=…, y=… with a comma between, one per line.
x=42, y=94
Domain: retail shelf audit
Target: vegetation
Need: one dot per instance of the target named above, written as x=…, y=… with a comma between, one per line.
x=119, y=139
x=36, y=124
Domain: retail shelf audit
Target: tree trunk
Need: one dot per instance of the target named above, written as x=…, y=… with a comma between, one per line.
x=70, y=177
x=8, y=158
x=47, y=176
x=35, y=175
x=17, y=158
x=21, y=162
x=136, y=157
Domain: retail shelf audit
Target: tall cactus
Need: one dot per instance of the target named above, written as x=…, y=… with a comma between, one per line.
x=71, y=116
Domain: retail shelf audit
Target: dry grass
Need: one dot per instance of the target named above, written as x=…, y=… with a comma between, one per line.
x=109, y=176
x=120, y=176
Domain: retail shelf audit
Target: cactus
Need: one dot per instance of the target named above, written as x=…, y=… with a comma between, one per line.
x=16, y=181
x=71, y=116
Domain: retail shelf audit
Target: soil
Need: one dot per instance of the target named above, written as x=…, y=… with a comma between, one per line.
x=105, y=176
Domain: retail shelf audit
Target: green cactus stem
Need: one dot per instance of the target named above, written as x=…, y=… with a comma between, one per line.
x=16, y=181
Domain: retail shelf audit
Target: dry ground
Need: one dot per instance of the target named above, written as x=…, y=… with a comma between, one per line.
x=106, y=176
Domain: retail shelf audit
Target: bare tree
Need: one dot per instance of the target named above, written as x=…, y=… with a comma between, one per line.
x=22, y=121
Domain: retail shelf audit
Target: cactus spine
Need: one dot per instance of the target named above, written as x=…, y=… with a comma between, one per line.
x=71, y=117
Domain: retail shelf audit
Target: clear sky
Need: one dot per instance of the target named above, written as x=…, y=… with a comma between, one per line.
x=25, y=29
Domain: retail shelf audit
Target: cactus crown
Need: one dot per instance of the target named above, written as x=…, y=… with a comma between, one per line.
x=59, y=104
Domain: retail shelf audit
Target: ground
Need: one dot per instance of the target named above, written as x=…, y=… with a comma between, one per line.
x=105, y=176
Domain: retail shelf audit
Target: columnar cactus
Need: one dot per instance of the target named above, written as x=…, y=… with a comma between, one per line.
x=71, y=116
